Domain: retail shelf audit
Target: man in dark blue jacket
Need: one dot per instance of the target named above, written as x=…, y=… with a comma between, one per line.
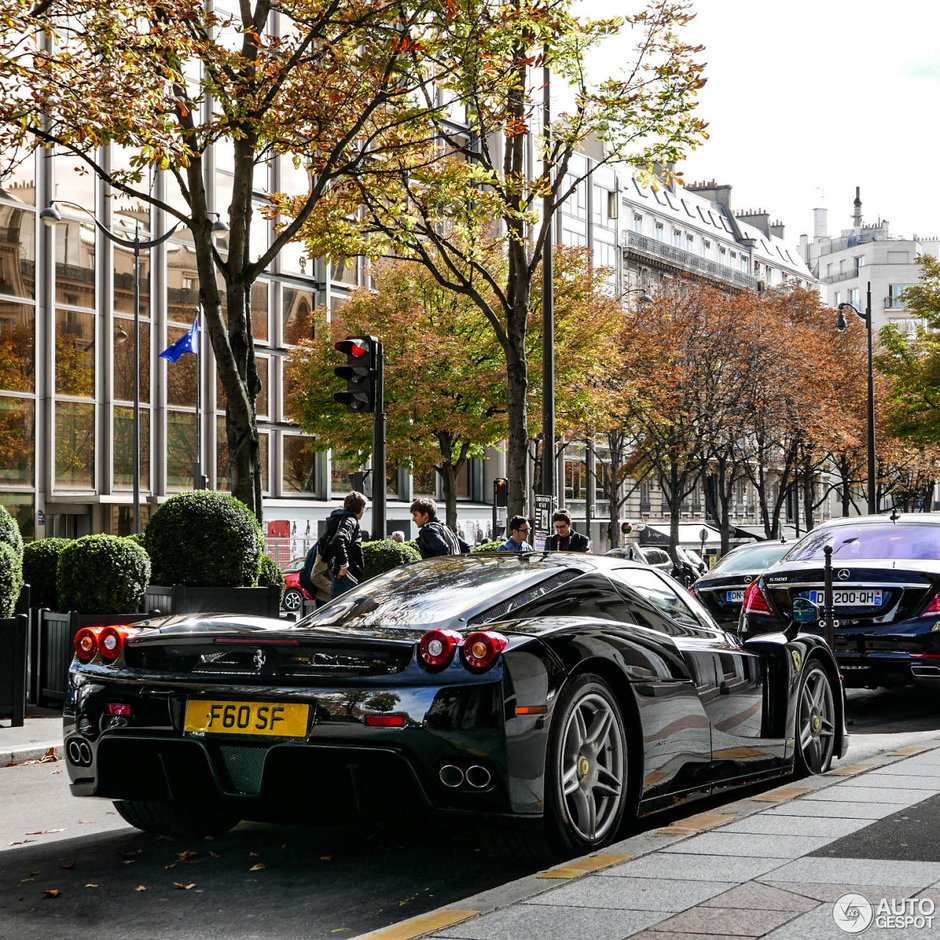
x=434, y=537
x=565, y=538
x=342, y=543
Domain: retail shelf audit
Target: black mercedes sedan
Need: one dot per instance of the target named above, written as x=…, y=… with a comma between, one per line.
x=558, y=693
x=886, y=596
x=722, y=589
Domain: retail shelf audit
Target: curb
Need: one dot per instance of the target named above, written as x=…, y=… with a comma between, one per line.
x=44, y=751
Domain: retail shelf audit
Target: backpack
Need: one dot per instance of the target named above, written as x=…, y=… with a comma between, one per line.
x=305, y=577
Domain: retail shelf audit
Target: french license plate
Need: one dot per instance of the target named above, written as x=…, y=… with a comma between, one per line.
x=849, y=598
x=283, y=720
x=734, y=597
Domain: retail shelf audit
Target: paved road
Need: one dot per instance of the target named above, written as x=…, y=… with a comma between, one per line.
x=265, y=881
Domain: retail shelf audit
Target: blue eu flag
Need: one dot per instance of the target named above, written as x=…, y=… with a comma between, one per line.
x=187, y=343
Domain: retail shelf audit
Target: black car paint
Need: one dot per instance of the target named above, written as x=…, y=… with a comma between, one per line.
x=703, y=710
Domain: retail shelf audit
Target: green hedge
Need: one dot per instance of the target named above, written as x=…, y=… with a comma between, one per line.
x=487, y=547
x=102, y=574
x=11, y=578
x=40, y=564
x=385, y=554
x=10, y=532
x=270, y=573
x=204, y=539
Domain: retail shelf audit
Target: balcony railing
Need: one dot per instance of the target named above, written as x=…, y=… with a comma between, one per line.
x=687, y=261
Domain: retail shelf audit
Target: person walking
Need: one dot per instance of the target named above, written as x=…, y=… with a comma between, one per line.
x=434, y=537
x=519, y=533
x=565, y=538
x=342, y=547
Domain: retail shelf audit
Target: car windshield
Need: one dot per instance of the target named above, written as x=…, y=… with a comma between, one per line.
x=872, y=540
x=752, y=558
x=446, y=589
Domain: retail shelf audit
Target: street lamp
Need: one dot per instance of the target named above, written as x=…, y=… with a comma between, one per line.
x=841, y=324
x=645, y=297
x=50, y=217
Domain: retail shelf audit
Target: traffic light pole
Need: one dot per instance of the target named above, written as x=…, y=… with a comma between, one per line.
x=379, y=448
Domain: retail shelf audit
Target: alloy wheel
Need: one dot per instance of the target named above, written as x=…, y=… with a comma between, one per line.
x=816, y=721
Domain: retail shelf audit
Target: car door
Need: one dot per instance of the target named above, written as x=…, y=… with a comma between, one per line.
x=729, y=679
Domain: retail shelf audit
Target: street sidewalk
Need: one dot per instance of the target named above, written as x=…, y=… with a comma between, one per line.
x=814, y=858
x=40, y=732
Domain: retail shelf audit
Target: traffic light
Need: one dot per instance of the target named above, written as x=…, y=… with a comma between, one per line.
x=500, y=492
x=360, y=373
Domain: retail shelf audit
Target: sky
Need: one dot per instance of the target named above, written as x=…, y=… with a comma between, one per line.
x=807, y=99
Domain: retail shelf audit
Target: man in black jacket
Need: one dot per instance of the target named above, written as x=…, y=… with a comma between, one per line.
x=565, y=538
x=342, y=543
x=434, y=538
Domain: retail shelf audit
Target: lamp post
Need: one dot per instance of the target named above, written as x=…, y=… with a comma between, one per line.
x=841, y=324
x=50, y=217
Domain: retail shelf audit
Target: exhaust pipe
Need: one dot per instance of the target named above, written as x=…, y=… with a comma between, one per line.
x=451, y=776
x=479, y=777
x=79, y=752
x=925, y=671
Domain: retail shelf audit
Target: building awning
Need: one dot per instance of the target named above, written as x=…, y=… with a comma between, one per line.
x=690, y=535
x=758, y=532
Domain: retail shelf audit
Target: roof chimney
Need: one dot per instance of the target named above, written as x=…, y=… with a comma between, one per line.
x=857, y=215
x=820, y=223
x=712, y=191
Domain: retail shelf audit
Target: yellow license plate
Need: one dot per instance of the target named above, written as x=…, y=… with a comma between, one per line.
x=279, y=719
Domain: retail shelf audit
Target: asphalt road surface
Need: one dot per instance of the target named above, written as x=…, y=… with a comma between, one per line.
x=73, y=868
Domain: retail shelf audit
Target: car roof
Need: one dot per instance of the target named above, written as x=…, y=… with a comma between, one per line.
x=929, y=518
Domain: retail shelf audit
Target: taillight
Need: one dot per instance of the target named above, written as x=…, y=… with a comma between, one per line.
x=755, y=602
x=86, y=643
x=481, y=650
x=111, y=640
x=933, y=608
x=437, y=648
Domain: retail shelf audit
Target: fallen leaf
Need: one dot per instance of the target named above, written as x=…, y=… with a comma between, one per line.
x=141, y=888
x=215, y=854
x=23, y=842
x=131, y=854
x=43, y=832
x=51, y=893
x=185, y=856
x=68, y=866
x=92, y=886
x=85, y=822
x=50, y=755
x=129, y=861
x=24, y=880
x=169, y=867
x=326, y=858
x=179, y=884
x=254, y=854
x=259, y=867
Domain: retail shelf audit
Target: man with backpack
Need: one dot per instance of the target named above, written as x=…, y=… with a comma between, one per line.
x=342, y=544
x=315, y=575
x=434, y=537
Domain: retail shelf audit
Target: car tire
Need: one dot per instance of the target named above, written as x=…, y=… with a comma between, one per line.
x=815, y=725
x=586, y=784
x=174, y=819
x=293, y=600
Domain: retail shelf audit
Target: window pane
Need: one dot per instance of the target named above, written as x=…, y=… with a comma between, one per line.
x=74, y=444
x=124, y=360
x=180, y=449
x=75, y=353
x=125, y=277
x=17, y=441
x=424, y=483
x=298, y=308
x=22, y=506
x=75, y=263
x=124, y=448
x=339, y=475
x=183, y=282
x=17, y=346
x=259, y=311
x=300, y=465
x=17, y=251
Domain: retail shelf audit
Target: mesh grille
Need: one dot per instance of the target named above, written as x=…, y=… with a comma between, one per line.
x=245, y=766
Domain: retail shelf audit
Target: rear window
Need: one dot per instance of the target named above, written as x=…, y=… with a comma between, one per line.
x=874, y=541
x=752, y=559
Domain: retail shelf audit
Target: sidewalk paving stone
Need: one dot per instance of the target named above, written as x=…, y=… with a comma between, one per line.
x=839, y=809
x=755, y=895
x=744, y=844
x=695, y=867
x=912, y=875
x=878, y=778
x=635, y=894
x=728, y=920
x=842, y=792
x=778, y=824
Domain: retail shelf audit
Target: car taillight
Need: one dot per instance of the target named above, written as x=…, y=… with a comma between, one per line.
x=437, y=648
x=933, y=608
x=111, y=640
x=86, y=643
x=755, y=602
x=481, y=650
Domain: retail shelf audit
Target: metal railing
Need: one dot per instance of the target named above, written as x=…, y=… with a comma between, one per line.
x=651, y=248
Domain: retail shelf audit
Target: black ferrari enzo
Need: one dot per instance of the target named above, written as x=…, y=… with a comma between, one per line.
x=886, y=595
x=556, y=692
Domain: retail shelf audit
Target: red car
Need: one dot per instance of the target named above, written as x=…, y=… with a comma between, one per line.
x=294, y=594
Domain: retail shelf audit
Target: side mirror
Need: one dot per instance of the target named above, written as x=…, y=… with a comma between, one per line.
x=804, y=610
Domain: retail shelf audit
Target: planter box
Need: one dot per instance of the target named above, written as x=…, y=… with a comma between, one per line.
x=183, y=599
x=14, y=632
x=56, y=647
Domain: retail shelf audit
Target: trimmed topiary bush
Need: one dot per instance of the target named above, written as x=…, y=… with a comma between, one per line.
x=384, y=554
x=40, y=564
x=204, y=539
x=102, y=574
x=10, y=532
x=11, y=578
x=486, y=547
x=270, y=573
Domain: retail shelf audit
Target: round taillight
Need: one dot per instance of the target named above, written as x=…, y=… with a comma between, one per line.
x=437, y=648
x=111, y=641
x=86, y=643
x=481, y=650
